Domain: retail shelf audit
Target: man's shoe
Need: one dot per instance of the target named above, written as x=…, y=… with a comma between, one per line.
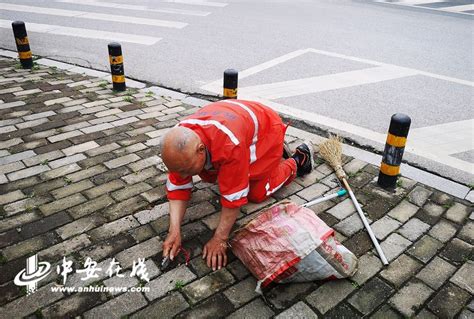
x=303, y=157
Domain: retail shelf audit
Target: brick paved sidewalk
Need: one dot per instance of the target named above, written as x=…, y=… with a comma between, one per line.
x=80, y=177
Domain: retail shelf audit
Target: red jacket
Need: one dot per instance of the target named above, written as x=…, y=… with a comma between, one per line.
x=244, y=141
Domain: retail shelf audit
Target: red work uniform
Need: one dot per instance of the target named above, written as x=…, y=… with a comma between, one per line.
x=244, y=144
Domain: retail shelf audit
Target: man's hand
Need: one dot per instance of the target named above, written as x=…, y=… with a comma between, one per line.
x=215, y=253
x=172, y=244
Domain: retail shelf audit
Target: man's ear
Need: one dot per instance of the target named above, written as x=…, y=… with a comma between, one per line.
x=201, y=148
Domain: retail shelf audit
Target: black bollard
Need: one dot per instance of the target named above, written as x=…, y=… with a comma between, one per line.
x=22, y=44
x=394, y=148
x=231, y=79
x=116, y=66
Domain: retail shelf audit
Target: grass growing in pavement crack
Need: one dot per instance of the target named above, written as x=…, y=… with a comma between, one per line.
x=103, y=84
x=149, y=94
x=128, y=98
x=179, y=284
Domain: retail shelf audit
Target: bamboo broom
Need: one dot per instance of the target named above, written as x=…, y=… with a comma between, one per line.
x=331, y=151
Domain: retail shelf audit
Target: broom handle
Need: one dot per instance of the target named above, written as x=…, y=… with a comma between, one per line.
x=321, y=199
x=364, y=221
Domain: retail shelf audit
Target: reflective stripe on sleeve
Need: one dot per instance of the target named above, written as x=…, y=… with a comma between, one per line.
x=173, y=187
x=237, y=195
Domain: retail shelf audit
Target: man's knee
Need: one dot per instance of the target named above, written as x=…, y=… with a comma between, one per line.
x=256, y=198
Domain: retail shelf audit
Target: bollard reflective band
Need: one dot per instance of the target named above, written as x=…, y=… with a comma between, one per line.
x=25, y=55
x=22, y=41
x=230, y=92
x=397, y=141
x=389, y=170
x=116, y=59
x=118, y=78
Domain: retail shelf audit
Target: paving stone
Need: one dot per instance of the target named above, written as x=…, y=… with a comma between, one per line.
x=436, y=273
x=60, y=171
x=370, y=296
x=242, y=292
x=80, y=226
x=11, y=197
x=167, y=282
x=457, y=213
x=199, y=211
x=11, y=167
x=394, y=246
x=119, y=306
x=72, y=306
x=426, y=314
x=384, y=227
x=214, y=307
x=27, y=247
x=410, y=298
x=343, y=310
x=419, y=195
x=449, y=301
x=343, y=209
x=368, y=266
x=359, y=244
x=91, y=206
x=464, y=277
x=27, y=172
x=466, y=314
x=329, y=295
x=130, y=191
x=467, y=233
x=237, y=269
x=146, y=249
x=350, y=225
x=146, y=216
x=283, y=296
x=104, y=188
x=64, y=248
x=26, y=305
x=66, y=160
x=256, y=308
x=124, y=160
x=62, y=204
x=386, y=312
x=80, y=148
x=413, y=229
x=113, y=228
x=403, y=211
x=124, y=208
x=207, y=286
x=155, y=194
x=425, y=248
x=287, y=191
x=313, y=191
x=443, y=231
x=167, y=307
x=72, y=189
x=299, y=310
x=400, y=270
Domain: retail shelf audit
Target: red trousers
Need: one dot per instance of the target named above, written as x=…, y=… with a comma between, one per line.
x=264, y=187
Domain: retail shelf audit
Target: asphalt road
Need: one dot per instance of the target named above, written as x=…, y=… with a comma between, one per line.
x=360, y=61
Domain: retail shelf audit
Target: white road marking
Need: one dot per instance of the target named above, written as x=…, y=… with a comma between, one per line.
x=136, y=7
x=93, y=16
x=199, y=3
x=455, y=133
x=84, y=33
x=420, y=3
x=326, y=82
x=458, y=9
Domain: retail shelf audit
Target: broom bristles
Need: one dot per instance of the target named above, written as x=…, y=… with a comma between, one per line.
x=331, y=151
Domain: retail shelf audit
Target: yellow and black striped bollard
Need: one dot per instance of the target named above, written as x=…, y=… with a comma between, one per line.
x=116, y=66
x=22, y=44
x=231, y=79
x=394, y=148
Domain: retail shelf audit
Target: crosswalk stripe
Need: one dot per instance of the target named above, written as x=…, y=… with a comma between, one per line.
x=136, y=7
x=84, y=33
x=199, y=3
x=466, y=7
x=93, y=16
x=325, y=82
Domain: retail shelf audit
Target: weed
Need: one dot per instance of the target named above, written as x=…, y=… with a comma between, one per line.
x=38, y=314
x=355, y=284
x=130, y=92
x=471, y=186
x=128, y=98
x=44, y=162
x=67, y=180
x=179, y=284
x=448, y=205
x=103, y=84
x=399, y=183
x=32, y=194
x=30, y=208
x=23, y=291
x=18, y=65
x=149, y=94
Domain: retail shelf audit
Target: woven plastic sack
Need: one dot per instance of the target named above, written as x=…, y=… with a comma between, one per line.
x=289, y=243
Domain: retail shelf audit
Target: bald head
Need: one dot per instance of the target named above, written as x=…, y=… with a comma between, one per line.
x=181, y=147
